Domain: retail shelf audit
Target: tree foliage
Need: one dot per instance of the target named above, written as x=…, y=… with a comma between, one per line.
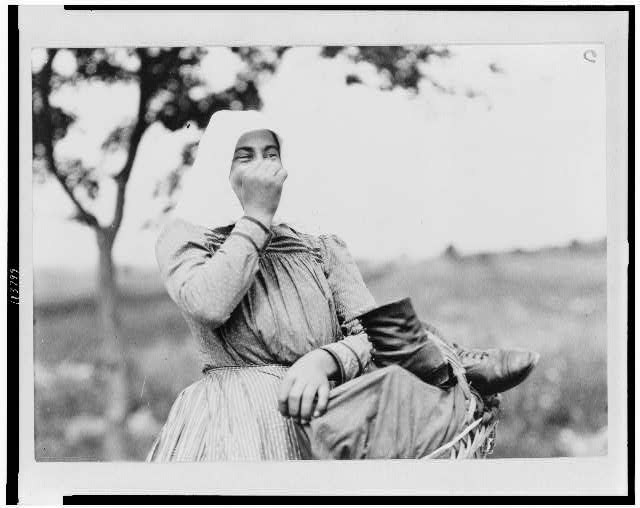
x=170, y=92
x=400, y=66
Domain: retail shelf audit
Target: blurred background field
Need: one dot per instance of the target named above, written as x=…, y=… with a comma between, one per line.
x=550, y=300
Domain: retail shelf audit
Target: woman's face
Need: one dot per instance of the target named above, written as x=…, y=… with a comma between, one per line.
x=251, y=149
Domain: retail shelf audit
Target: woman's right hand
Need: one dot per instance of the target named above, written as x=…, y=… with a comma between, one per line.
x=304, y=391
x=262, y=189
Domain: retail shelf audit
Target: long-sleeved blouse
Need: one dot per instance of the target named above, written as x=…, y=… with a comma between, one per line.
x=257, y=299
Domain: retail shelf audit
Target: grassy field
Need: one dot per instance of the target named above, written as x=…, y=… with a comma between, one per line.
x=552, y=301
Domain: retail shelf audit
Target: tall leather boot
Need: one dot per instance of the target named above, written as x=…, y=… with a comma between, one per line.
x=399, y=338
x=496, y=370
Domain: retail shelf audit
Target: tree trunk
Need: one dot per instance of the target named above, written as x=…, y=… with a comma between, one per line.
x=113, y=350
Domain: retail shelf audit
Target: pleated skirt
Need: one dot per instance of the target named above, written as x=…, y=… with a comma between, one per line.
x=231, y=414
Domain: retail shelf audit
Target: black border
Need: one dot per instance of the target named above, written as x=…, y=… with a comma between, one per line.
x=13, y=260
x=13, y=245
x=631, y=267
x=370, y=8
x=357, y=500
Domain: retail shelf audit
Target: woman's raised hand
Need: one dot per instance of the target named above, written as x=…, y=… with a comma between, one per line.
x=262, y=188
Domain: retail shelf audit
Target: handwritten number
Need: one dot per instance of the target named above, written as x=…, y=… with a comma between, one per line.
x=14, y=286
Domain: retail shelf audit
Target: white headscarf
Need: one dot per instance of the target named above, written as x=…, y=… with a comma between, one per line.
x=207, y=198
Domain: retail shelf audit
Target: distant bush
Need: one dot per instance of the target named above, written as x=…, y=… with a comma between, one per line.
x=451, y=253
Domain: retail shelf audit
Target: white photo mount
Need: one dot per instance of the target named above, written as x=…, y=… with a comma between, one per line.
x=607, y=31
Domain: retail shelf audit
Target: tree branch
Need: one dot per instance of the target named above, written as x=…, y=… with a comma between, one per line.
x=45, y=90
x=140, y=127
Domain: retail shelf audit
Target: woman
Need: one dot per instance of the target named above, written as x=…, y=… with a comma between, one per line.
x=275, y=310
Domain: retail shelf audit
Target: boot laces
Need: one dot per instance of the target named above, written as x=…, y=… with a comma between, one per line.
x=473, y=355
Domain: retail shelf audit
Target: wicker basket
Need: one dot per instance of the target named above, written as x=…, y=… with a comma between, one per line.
x=477, y=436
x=476, y=440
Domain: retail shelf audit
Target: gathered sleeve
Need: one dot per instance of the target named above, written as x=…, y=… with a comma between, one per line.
x=208, y=283
x=352, y=298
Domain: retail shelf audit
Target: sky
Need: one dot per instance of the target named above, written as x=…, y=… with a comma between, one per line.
x=520, y=165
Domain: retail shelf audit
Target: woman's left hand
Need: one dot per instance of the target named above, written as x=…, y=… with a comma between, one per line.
x=306, y=385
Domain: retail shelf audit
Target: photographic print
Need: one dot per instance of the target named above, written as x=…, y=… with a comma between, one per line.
x=250, y=253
